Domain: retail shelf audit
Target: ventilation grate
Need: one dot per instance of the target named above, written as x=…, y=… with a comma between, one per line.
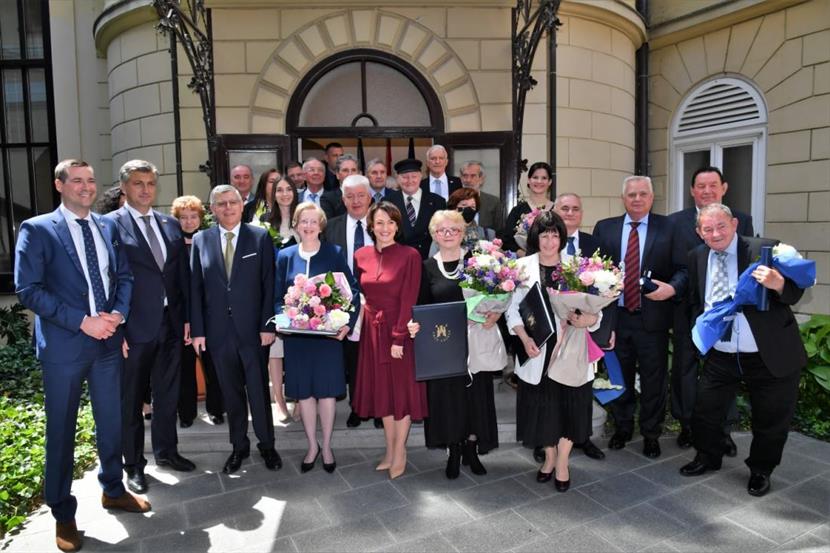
x=719, y=105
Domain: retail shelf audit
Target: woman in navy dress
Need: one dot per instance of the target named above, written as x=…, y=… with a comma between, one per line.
x=314, y=371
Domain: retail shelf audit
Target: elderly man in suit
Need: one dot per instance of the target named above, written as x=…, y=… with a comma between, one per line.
x=707, y=187
x=437, y=181
x=332, y=200
x=762, y=350
x=377, y=174
x=416, y=206
x=72, y=271
x=232, y=297
x=646, y=243
x=242, y=178
x=491, y=213
x=158, y=325
x=315, y=176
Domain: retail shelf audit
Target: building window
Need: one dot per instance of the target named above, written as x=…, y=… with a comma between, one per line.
x=27, y=149
x=722, y=122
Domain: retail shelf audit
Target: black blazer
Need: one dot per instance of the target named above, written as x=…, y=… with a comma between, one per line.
x=335, y=232
x=491, y=212
x=661, y=256
x=241, y=306
x=418, y=236
x=331, y=182
x=775, y=331
x=684, y=222
x=152, y=284
x=587, y=244
x=331, y=202
x=453, y=184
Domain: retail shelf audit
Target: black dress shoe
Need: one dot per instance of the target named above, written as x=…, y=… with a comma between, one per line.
x=136, y=481
x=353, y=421
x=235, y=461
x=543, y=477
x=590, y=449
x=561, y=485
x=378, y=422
x=176, y=462
x=684, y=439
x=217, y=419
x=185, y=424
x=539, y=454
x=305, y=467
x=697, y=467
x=272, y=459
x=329, y=467
x=453, y=462
x=618, y=440
x=730, y=448
x=758, y=484
x=651, y=448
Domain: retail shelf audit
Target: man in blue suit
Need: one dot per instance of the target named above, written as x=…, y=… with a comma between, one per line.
x=155, y=335
x=232, y=299
x=72, y=271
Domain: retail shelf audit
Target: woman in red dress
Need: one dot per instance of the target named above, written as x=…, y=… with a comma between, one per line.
x=389, y=275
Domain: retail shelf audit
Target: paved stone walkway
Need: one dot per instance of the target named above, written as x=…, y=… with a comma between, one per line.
x=626, y=502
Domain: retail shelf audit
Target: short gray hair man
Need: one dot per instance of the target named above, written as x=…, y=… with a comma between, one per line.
x=355, y=181
x=635, y=178
x=138, y=165
x=220, y=189
x=712, y=209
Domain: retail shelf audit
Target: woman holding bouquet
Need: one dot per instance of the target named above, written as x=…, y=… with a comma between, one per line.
x=539, y=180
x=314, y=371
x=389, y=274
x=548, y=414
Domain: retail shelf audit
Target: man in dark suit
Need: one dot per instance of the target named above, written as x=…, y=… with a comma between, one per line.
x=232, y=296
x=315, y=175
x=333, y=152
x=72, y=271
x=707, y=187
x=242, y=178
x=762, y=350
x=294, y=173
x=332, y=200
x=416, y=206
x=645, y=242
x=155, y=334
x=491, y=213
x=377, y=173
x=437, y=181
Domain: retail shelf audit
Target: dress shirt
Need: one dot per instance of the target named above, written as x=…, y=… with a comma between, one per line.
x=642, y=229
x=416, y=201
x=351, y=225
x=223, y=232
x=442, y=188
x=137, y=217
x=564, y=255
x=100, y=249
x=742, y=339
x=307, y=196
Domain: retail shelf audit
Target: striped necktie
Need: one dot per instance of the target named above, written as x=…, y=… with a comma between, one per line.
x=410, y=211
x=631, y=283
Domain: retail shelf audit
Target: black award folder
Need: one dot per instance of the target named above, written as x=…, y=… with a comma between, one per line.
x=537, y=318
x=441, y=344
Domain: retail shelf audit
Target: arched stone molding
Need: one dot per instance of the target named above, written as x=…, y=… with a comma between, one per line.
x=364, y=28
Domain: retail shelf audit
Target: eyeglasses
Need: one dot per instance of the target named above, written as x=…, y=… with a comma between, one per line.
x=454, y=231
x=227, y=203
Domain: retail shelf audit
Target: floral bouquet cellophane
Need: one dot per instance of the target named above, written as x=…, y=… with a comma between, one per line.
x=319, y=303
x=523, y=227
x=489, y=278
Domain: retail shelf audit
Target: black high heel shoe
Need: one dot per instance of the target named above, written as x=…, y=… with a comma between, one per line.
x=329, y=467
x=543, y=477
x=561, y=485
x=305, y=467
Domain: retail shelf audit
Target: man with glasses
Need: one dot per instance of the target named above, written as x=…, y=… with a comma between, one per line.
x=332, y=200
x=315, y=177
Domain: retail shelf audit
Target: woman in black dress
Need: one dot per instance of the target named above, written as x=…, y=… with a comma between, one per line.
x=462, y=415
x=539, y=180
x=548, y=414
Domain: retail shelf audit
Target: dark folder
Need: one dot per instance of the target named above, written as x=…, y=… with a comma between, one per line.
x=441, y=344
x=537, y=318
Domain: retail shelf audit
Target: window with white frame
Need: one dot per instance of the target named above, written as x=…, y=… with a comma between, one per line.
x=722, y=123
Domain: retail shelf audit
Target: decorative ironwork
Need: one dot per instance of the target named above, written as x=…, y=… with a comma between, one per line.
x=188, y=22
x=531, y=20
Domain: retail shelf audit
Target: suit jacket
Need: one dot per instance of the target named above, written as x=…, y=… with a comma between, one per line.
x=661, y=255
x=335, y=232
x=491, y=212
x=587, y=244
x=418, y=236
x=684, y=222
x=331, y=182
x=152, y=284
x=50, y=281
x=242, y=306
x=331, y=202
x=775, y=331
x=453, y=184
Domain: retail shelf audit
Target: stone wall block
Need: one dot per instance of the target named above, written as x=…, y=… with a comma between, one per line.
x=573, y=179
x=658, y=116
x=673, y=69
x=141, y=101
x=596, y=209
x=293, y=19
x=294, y=56
x=590, y=35
x=228, y=57
x=194, y=153
x=740, y=41
x=278, y=76
x=622, y=47
x=589, y=153
x=819, y=206
x=663, y=95
x=166, y=95
x=495, y=54
x=231, y=24
x=268, y=99
x=412, y=39
x=575, y=62
x=716, y=45
x=609, y=70
x=363, y=26
x=258, y=52
x=388, y=30
x=622, y=104
x=338, y=30
x=114, y=54
x=809, y=113
x=169, y=154
x=123, y=77
x=815, y=300
x=433, y=19
x=192, y=124
x=574, y=123
x=448, y=72
x=491, y=87
x=471, y=122
x=137, y=41
x=803, y=236
x=562, y=152
x=478, y=23
x=563, y=92
x=590, y=95
x=659, y=160
x=816, y=48
x=313, y=40
x=232, y=120
x=154, y=67
x=267, y=123
x=196, y=183
x=821, y=82
x=808, y=17
x=786, y=207
x=432, y=53
x=116, y=111
x=822, y=260
x=768, y=39
x=187, y=97
x=233, y=90
x=782, y=64
x=126, y=136
x=157, y=129
x=788, y=147
x=808, y=176
x=820, y=145
x=605, y=182
x=499, y=117
x=622, y=158
x=693, y=54
x=794, y=88
x=460, y=97
x=612, y=129
x=536, y=119
x=539, y=93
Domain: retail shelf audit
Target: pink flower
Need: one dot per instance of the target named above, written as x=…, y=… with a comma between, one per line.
x=319, y=310
x=310, y=288
x=300, y=279
x=314, y=323
x=586, y=278
x=325, y=290
x=291, y=312
x=314, y=301
x=508, y=285
x=497, y=242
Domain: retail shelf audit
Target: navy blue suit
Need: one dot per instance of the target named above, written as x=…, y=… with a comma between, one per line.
x=49, y=280
x=231, y=315
x=155, y=335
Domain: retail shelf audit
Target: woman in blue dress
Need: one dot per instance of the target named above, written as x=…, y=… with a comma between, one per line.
x=314, y=370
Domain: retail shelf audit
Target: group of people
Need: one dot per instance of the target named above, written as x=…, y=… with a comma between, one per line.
x=129, y=300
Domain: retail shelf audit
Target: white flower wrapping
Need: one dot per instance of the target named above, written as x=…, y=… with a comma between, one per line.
x=785, y=252
x=487, y=352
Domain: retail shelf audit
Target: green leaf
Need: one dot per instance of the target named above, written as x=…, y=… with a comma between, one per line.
x=330, y=279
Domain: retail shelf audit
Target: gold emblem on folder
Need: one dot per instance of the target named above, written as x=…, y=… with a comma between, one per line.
x=531, y=321
x=441, y=333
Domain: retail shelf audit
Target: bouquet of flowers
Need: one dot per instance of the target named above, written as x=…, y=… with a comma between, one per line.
x=584, y=285
x=321, y=303
x=278, y=239
x=523, y=227
x=488, y=280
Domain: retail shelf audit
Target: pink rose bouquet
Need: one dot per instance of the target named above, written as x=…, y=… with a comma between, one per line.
x=319, y=303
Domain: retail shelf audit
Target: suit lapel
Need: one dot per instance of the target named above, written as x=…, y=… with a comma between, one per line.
x=616, y=233
x=214, y=244
x=653, y=228
x=62, y=230
x=702, y=270
x=242, y=248
x=743, y=255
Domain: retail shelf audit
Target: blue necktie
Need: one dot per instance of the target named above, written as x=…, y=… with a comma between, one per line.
x=571, y=247
x=358, y=235
x=378, y=197
x=93, y=268
x=312, y=197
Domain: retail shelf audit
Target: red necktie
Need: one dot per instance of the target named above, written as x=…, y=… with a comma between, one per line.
x=631, y=284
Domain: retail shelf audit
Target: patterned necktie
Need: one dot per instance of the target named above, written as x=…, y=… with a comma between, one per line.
x=378, y=197
x=93, y=268
x=228, y=253
x=312, y=197
x=410, y=211
x=153, y=240
x=631, y=283
x=720, y=278
x=358, y=235
x=571, y=246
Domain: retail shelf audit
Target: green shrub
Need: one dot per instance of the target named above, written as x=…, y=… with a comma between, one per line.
x=812, y=415
x=23, y=427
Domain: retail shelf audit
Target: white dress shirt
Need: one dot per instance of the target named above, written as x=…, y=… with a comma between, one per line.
x=351, y=225
x=416, y=202
x=100, y=249
x=137, y=216
x=563, y=253
x=440, y=185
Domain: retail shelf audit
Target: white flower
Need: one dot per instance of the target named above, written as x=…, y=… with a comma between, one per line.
x=785, y=252
x=337, y=319
x=604, y=281
x=485, y=260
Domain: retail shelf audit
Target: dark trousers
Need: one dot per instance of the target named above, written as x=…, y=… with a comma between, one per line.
x=62, y=386
x=644, y=352
x=157, y=365
x=772, y=398
x=350, y=354
x=243, y=378
x=188, y=389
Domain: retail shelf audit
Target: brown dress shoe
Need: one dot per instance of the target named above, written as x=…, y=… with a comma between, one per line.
x=126, y=502
x=67, y=537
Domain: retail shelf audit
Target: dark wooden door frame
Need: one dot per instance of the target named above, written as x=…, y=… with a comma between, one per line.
x=227, y=143
x=503, y=140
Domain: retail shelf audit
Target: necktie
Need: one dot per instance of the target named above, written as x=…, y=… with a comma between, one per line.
x=93, y=268
x=312, y=197
x=358, y=235
x=378, y=197
x=720, y=278
x=155, y=247
x=436, y=187
x=631, y=283
x=228, y=253
x=571, y=246
x=410, y=211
